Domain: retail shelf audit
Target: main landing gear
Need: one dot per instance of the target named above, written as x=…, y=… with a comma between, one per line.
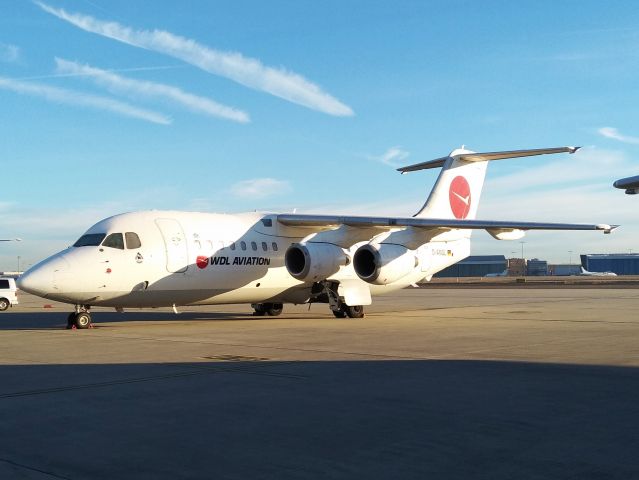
x=338, y=307
x=81, y=318
x=270, y=309
x=343, y=311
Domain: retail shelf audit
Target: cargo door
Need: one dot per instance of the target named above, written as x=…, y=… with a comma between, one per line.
x=177, y=255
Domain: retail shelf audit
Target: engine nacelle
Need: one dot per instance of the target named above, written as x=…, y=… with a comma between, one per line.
x=384, y=263
x=313, y=262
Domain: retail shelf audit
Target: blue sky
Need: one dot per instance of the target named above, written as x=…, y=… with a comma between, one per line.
x=112, y=106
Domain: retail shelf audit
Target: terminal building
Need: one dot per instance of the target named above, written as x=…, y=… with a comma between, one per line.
x=482, y=265
x=476, y=266
x=619, y=263
x=537, y=268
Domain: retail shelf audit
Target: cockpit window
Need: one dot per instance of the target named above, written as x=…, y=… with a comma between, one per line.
x=132, y=240
x=90, y=240
x=115, y=240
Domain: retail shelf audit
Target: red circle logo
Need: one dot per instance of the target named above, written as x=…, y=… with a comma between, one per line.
x=459, y=197
x=202, y=261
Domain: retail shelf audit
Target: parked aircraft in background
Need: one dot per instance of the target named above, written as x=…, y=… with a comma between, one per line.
x=629, y=184
x=10, y=239
x=170, y=258
x=499, y=274
x=597, y=274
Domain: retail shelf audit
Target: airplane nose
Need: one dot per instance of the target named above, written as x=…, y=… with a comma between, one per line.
x=40, y=279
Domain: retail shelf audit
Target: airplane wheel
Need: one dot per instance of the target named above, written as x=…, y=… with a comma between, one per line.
x=356, y=311
x=339, y=313
x=83, y=320
x=4, y=304
x=274, y=309
x=259, y=310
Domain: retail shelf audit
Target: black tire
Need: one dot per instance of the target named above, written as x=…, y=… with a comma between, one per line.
x=356, y=311
x=274, y=309
x=4, y=304
x=83, y=320
x=260, y=311
x=339, y=313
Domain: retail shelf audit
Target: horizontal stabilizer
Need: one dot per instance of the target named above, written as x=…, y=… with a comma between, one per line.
x=485, y=157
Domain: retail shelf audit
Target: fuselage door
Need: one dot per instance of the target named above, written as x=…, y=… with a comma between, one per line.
x=177, y=257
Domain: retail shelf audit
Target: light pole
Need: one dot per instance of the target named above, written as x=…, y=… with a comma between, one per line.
x=570, y=257
x=522, y=250
x=18, y=264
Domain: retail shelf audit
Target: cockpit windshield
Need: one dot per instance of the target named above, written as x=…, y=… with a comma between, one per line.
x=90, y=240
x=115, y=240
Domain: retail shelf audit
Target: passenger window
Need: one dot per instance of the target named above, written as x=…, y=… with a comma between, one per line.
x=264, y=246
x=254, y=246
x=233, y=246
x=274, y=247
x=115, y=240
x=243, y=245
x=132, y=240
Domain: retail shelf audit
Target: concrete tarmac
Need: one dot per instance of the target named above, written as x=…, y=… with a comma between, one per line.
x=433, y=383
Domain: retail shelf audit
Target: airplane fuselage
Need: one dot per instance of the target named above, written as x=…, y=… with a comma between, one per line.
x=190, y=258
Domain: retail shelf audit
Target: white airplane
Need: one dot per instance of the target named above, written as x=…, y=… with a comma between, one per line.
x=587, y=273
x=498, y=274
x=629, y=184
x=170, y=258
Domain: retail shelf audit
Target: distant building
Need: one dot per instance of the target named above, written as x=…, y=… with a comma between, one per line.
x=537, y=268
x=476, y=266
x=516, y=267
x=619, y=263
x=564, y=270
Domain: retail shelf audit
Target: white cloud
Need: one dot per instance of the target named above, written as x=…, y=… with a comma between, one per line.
x=260, y=188
x=614, y=134
x=393, y=157
x=128, y=86
x=247, y=71
x=69, y=97
x=9, y=53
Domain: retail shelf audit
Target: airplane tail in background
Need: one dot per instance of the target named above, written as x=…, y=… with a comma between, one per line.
x=458, y=188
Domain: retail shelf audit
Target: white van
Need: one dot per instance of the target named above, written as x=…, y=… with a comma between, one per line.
x=7, y=293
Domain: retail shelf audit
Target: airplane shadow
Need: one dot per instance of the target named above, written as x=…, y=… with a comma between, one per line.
x=320, y=419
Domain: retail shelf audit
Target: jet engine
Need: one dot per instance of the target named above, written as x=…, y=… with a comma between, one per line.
x=383, y=263
x=314, y=261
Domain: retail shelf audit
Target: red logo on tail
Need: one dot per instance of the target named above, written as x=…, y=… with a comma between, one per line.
x=459, y=197
x=202, y=261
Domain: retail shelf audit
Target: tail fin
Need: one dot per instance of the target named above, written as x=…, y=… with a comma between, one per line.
x=458, y=188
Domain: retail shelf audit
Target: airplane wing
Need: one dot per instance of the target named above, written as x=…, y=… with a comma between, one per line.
x=321, y=222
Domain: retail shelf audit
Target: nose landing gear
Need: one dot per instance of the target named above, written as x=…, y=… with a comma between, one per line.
x=81, y=318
